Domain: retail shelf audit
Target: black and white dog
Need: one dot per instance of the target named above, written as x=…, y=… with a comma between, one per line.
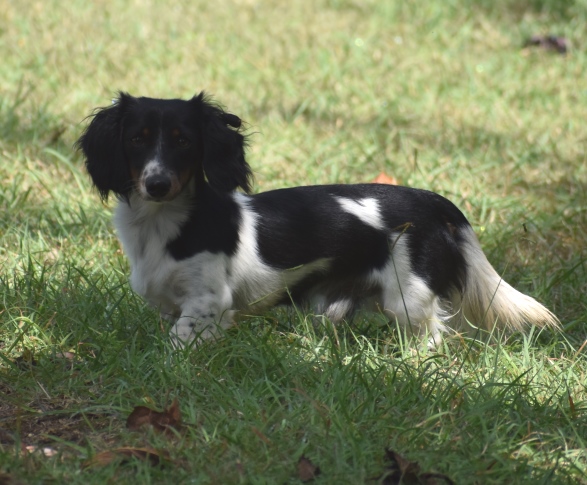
x=205, y=254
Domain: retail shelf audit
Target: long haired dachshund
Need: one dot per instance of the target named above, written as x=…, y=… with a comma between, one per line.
x=206, y=254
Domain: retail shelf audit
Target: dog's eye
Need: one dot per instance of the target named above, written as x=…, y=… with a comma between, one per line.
x=183, y=142
x=137, y=140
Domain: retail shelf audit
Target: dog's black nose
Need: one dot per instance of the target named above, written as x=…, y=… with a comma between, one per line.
x=157, y=186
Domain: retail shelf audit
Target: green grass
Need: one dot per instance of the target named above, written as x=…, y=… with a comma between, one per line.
x=439, y=95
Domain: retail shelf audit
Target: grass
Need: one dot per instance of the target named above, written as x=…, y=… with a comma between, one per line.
x=439, y=95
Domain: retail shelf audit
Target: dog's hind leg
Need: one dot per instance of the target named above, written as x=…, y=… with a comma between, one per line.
x=338, y=310
x=406, y=298
x=416, y=307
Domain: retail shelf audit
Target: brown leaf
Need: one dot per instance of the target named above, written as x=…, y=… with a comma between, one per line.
x=572, y=407
x=383, y=178
x=125, y=454
x=550, y=42
x=160, y=421
x=307, y=471
x=402, y=471
x=65, y=355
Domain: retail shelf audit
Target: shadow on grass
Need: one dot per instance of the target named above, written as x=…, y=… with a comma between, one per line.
x=263, y=398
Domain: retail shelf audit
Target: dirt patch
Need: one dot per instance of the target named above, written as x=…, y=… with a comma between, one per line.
x=39, y=429
x=44, y=421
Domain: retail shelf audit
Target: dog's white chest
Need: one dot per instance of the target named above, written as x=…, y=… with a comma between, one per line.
x=144, y=232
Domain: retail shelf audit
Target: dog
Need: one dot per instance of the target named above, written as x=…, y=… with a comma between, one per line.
x=207, y=255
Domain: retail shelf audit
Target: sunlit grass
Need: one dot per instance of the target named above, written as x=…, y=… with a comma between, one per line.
x=440, y=95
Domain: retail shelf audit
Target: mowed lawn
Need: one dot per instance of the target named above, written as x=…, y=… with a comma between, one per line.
x=441, y=95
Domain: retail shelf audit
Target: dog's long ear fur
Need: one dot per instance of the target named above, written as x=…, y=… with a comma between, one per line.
x=223, y=161
x=101, y=143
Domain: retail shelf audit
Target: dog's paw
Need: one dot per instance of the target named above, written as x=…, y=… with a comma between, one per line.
x=184, y=334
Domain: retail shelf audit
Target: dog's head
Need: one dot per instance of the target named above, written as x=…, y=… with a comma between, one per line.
x=156, y=146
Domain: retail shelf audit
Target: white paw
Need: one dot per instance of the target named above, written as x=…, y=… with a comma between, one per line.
x=184, y=333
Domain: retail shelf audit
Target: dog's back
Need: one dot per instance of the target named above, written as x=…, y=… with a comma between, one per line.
x=203, y=252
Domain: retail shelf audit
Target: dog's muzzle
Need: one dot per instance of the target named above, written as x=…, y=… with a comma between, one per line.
x=158, y=186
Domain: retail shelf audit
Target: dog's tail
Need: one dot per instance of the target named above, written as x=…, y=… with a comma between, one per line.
x=487, y=300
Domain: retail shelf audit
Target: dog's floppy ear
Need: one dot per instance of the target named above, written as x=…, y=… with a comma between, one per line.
x=101, y=144
x=223, y=160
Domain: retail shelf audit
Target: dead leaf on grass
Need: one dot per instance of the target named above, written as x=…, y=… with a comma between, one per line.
x=572, y=407
x=402, y=471
x=65, y=355
x=553, y=43
x=124, y=454
x=307, y=471
x=160, y=421
x=383, y=178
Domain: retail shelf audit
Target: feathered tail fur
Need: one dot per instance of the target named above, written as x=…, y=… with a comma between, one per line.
x=487, y=300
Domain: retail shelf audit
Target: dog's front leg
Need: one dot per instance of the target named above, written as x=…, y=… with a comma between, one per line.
x=202, y=319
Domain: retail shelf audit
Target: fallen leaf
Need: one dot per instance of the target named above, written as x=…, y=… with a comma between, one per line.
x=307, y=471
x=383, y=178
x=402, y=471
x=572, y=407
x=549, y=43
x=160, y=421
x=65, y=355
x=124, y=454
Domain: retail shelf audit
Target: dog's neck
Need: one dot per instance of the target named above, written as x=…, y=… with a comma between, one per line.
x=165, y=220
